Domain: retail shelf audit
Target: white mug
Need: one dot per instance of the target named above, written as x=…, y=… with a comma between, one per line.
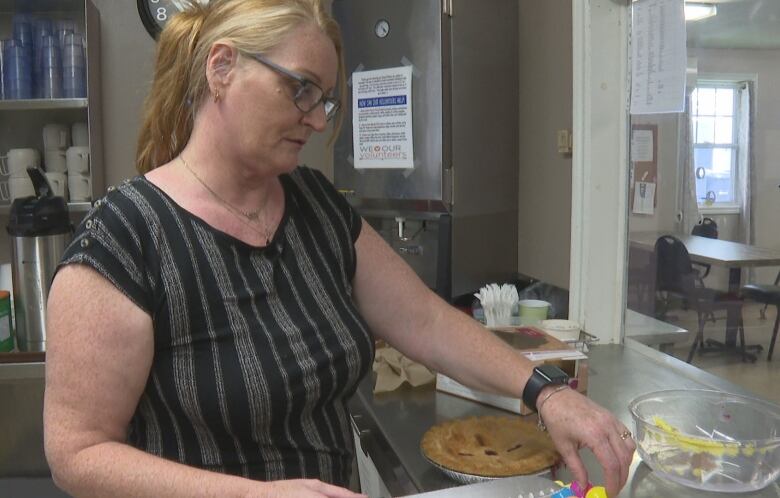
x=54, y=160
x=77, y=158
x=18, y=160
x=58, y=183
x=80, y=134
x=80, y=187
x=56, y=136
x=18, y=187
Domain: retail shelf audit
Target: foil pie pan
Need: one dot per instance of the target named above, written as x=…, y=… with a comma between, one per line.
x=465, y=478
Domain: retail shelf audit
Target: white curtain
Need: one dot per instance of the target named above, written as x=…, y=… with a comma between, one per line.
x=688, y=206
x=745, y=170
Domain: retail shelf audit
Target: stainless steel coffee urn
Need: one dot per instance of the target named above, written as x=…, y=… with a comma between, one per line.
x=40, y=229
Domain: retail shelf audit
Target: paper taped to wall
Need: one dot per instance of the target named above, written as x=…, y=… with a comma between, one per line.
x=382, y=118
x=644, y=197
x=658, y=56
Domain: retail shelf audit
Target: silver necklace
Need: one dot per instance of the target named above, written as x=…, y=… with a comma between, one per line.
x=251, y=216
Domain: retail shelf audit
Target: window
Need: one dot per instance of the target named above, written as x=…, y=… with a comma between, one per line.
x=715, y=127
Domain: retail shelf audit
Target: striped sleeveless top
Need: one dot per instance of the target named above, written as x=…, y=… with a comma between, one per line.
x=257, y=350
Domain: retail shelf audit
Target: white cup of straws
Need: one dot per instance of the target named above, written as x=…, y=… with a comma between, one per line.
x=497, y=302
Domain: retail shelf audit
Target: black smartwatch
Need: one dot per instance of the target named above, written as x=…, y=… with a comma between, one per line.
x=543, y=376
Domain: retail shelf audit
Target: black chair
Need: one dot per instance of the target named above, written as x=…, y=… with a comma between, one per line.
x=766, y=305
x=641, y=280
x=705, y=228
x=676, y=277
x=768, y=295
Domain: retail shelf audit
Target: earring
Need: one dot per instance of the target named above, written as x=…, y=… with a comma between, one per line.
x=216, y=96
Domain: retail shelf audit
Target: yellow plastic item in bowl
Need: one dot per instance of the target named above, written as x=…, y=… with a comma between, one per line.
x=709, y=440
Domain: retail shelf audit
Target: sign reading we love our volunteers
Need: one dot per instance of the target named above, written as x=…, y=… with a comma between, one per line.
x=382, y=118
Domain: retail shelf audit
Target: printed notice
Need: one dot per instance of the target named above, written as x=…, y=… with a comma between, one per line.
x=658, y=56
x=644, y=197
x=382, y=118
x=642, y=145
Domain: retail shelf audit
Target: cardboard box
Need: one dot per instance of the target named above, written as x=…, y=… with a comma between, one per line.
x=538, y=347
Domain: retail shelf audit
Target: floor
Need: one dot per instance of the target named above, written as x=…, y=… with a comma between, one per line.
x=761, y=377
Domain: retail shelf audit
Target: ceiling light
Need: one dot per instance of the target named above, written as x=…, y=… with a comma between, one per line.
x=698, y=11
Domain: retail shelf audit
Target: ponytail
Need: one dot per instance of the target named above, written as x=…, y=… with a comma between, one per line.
x=169, y=107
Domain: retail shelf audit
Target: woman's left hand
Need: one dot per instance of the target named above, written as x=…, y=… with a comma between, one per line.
x=573, y=422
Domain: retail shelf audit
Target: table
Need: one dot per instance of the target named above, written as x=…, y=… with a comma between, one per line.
x=732, y=255
x=650, y=331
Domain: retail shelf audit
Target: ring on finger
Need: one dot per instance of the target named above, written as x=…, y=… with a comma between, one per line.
x=625, y=434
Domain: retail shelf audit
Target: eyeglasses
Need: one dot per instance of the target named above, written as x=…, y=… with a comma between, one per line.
x=309, y=95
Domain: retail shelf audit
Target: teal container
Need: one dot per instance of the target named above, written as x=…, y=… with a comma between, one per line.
x=6, y=333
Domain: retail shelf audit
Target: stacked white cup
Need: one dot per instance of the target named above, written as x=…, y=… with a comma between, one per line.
x=15, y=165
x=77, y=160
x=56, y=139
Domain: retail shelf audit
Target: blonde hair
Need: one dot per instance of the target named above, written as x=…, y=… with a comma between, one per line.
x=180, y=85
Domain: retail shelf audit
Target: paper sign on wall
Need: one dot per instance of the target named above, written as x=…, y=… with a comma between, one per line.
x=658, y=56
x=642, y=145
x=382, y=118
x=644, y=197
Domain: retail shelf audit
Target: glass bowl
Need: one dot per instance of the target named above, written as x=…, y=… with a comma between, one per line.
x=708, y=440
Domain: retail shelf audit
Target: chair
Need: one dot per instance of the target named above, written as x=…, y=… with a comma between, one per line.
x=641, y=280
x=766, y=305
x=675, y=276
x=768, y=295
x=705, y=228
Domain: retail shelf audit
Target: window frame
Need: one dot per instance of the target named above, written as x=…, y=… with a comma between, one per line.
x=734, y=83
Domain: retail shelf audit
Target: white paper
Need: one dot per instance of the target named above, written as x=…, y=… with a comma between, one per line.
x=560, y=354
x=658, y=56
x=644, y=197
x=382, y=118
x=642, y=145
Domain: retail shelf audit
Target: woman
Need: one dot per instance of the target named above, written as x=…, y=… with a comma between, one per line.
x=212, y=317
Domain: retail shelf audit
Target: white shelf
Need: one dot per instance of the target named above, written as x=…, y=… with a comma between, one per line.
x=42, y=104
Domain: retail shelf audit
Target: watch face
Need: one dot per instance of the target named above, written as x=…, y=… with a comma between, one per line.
x=553, y=374
x=155, y=14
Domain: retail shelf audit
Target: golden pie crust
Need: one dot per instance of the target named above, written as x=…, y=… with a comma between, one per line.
x=489, y=446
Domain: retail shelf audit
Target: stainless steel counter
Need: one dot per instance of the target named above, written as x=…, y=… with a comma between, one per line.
x=393, y=423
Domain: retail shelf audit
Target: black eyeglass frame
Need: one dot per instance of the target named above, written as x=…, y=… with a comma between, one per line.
x=331, y=104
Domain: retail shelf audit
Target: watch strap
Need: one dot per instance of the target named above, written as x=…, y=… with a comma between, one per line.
x=534, y=386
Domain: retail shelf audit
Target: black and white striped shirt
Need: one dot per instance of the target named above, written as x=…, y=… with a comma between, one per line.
x=257, y=350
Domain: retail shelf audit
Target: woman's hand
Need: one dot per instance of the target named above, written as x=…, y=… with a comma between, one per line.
x=301, y=488
x=573, y=422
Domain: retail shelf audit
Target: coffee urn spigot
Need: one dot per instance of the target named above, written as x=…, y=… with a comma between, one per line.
x=401, y=222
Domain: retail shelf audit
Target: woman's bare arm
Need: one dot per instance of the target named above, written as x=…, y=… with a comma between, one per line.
x=400, y=309
x=99, y=354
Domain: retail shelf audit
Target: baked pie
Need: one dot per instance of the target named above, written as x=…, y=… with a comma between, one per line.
x=489, y=446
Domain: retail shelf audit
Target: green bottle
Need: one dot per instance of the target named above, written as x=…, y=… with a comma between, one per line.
x=6, y=334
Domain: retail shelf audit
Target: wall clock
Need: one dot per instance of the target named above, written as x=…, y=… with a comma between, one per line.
x=155, y=14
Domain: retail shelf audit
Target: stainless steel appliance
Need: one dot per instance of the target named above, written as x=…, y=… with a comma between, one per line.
x=453, y=217
x=40, y=230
